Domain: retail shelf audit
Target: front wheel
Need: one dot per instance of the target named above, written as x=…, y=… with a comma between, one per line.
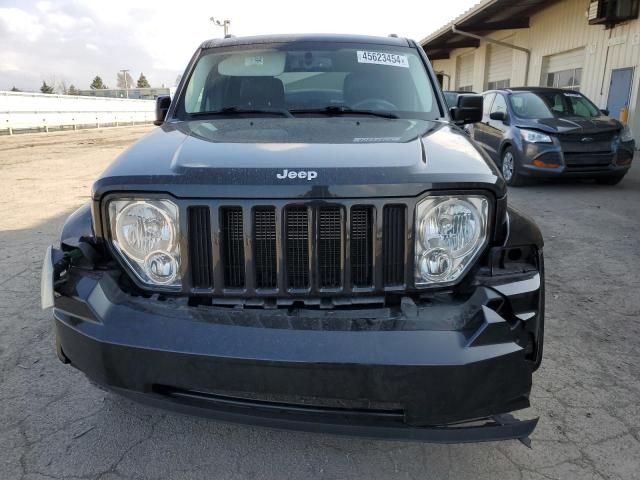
x=610, y=180
x=510, y=168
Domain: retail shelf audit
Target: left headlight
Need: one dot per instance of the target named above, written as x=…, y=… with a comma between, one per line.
x=451, y=232
x=145, y=234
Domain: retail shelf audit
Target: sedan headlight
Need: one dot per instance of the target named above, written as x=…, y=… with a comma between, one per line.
x=535, y=137
x=451, y=232
x=145, y=234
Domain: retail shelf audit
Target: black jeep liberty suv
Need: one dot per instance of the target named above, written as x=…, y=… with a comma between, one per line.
x=308, y=240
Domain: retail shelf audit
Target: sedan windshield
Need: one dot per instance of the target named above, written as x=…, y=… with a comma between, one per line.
x=310, y=79
x=551, y=104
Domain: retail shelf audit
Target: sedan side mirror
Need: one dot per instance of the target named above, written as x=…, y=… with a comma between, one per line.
x=605, y=112
x=468, y=110
x=163, y=102
x=499, y=116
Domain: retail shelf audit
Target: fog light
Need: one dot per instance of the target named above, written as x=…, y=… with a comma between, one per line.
x=542, y=164
x=161, y=267
x=435, y=264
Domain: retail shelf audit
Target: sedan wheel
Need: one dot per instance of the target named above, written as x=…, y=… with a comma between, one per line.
x=510, y=169
x=507, y=166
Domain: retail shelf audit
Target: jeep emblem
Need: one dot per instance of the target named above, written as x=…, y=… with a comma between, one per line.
x=303, y=174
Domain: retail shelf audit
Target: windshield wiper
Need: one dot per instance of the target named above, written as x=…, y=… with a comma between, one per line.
x=241, y=111
x=344, y=110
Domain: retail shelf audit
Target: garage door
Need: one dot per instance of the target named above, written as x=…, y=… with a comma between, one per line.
x=563, y=70
x=464, y=72
x=500, y=66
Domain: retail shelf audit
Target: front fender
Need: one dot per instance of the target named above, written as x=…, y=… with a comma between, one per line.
x=522, y=230
x=78, y=227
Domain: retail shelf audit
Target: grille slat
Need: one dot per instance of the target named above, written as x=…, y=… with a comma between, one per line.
x=361, y=247
x=297, y=247
x=393, y=238
x=265, y=254
x=200, y=254
x=232, y=247
x=329, y=247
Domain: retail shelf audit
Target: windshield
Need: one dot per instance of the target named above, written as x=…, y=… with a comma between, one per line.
x=303, y=78
x=552, y=104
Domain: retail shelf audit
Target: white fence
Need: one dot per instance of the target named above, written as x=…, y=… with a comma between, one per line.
x=21, y=111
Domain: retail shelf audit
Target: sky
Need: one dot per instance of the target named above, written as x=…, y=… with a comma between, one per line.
x=72, y=41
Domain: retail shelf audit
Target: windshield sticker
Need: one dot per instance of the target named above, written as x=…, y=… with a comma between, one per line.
x=383, y=58
x=254, y=61
x=573, y=95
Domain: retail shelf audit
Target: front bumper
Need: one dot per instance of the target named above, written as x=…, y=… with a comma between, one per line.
x=415, y=372
x=585, y=164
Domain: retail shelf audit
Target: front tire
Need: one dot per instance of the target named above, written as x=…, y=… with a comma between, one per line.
x=510, y=168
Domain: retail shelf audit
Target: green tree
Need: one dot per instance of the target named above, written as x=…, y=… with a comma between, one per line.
x=143, y=82
x=46, y=88
x=14, y=89
x=72, y=90
x=97, y=84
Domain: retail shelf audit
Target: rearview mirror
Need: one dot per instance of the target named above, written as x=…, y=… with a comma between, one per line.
x=162, y=107
x=468, y=110
x=500, y=116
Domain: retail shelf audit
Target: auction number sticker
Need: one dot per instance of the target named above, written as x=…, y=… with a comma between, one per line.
x=257, y=61
x=383, y=58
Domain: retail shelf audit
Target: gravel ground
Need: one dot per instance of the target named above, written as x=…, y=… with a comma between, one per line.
x=53, y=424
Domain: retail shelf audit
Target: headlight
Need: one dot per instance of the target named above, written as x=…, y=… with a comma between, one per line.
x=145, y=234
x=535, y=137
x=451, y=232
x=625, y=134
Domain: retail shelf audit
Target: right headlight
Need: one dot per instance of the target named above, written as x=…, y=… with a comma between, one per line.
x=532, y=136
x=145, y=234
x=451, y=232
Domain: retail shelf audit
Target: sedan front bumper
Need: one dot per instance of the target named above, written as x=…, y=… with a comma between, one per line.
x=419, y=372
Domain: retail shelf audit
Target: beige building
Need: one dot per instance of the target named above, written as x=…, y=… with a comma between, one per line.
x=590, y=45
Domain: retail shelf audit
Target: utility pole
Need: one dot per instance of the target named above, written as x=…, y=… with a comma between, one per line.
x=126, y=82
x=224, y=24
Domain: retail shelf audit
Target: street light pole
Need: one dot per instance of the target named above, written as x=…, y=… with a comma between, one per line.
x=224, y=24
x=126, y=82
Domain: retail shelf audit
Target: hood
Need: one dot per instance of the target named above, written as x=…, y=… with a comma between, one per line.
x=579, y=125
x=327, y=157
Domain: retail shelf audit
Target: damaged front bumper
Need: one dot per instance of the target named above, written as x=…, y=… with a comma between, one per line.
x=443, y=369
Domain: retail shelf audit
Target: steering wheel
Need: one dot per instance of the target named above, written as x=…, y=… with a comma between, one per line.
x=374, y=104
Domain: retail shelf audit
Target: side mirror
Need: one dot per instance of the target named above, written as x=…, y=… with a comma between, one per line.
x=605, y=112
x=468, y=110
x=162, y=107
x=500, y=116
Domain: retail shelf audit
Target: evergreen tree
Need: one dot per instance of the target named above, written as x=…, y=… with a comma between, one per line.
x=143, y=82
x=46, y=88
x=97, y=84
x=73, y=90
